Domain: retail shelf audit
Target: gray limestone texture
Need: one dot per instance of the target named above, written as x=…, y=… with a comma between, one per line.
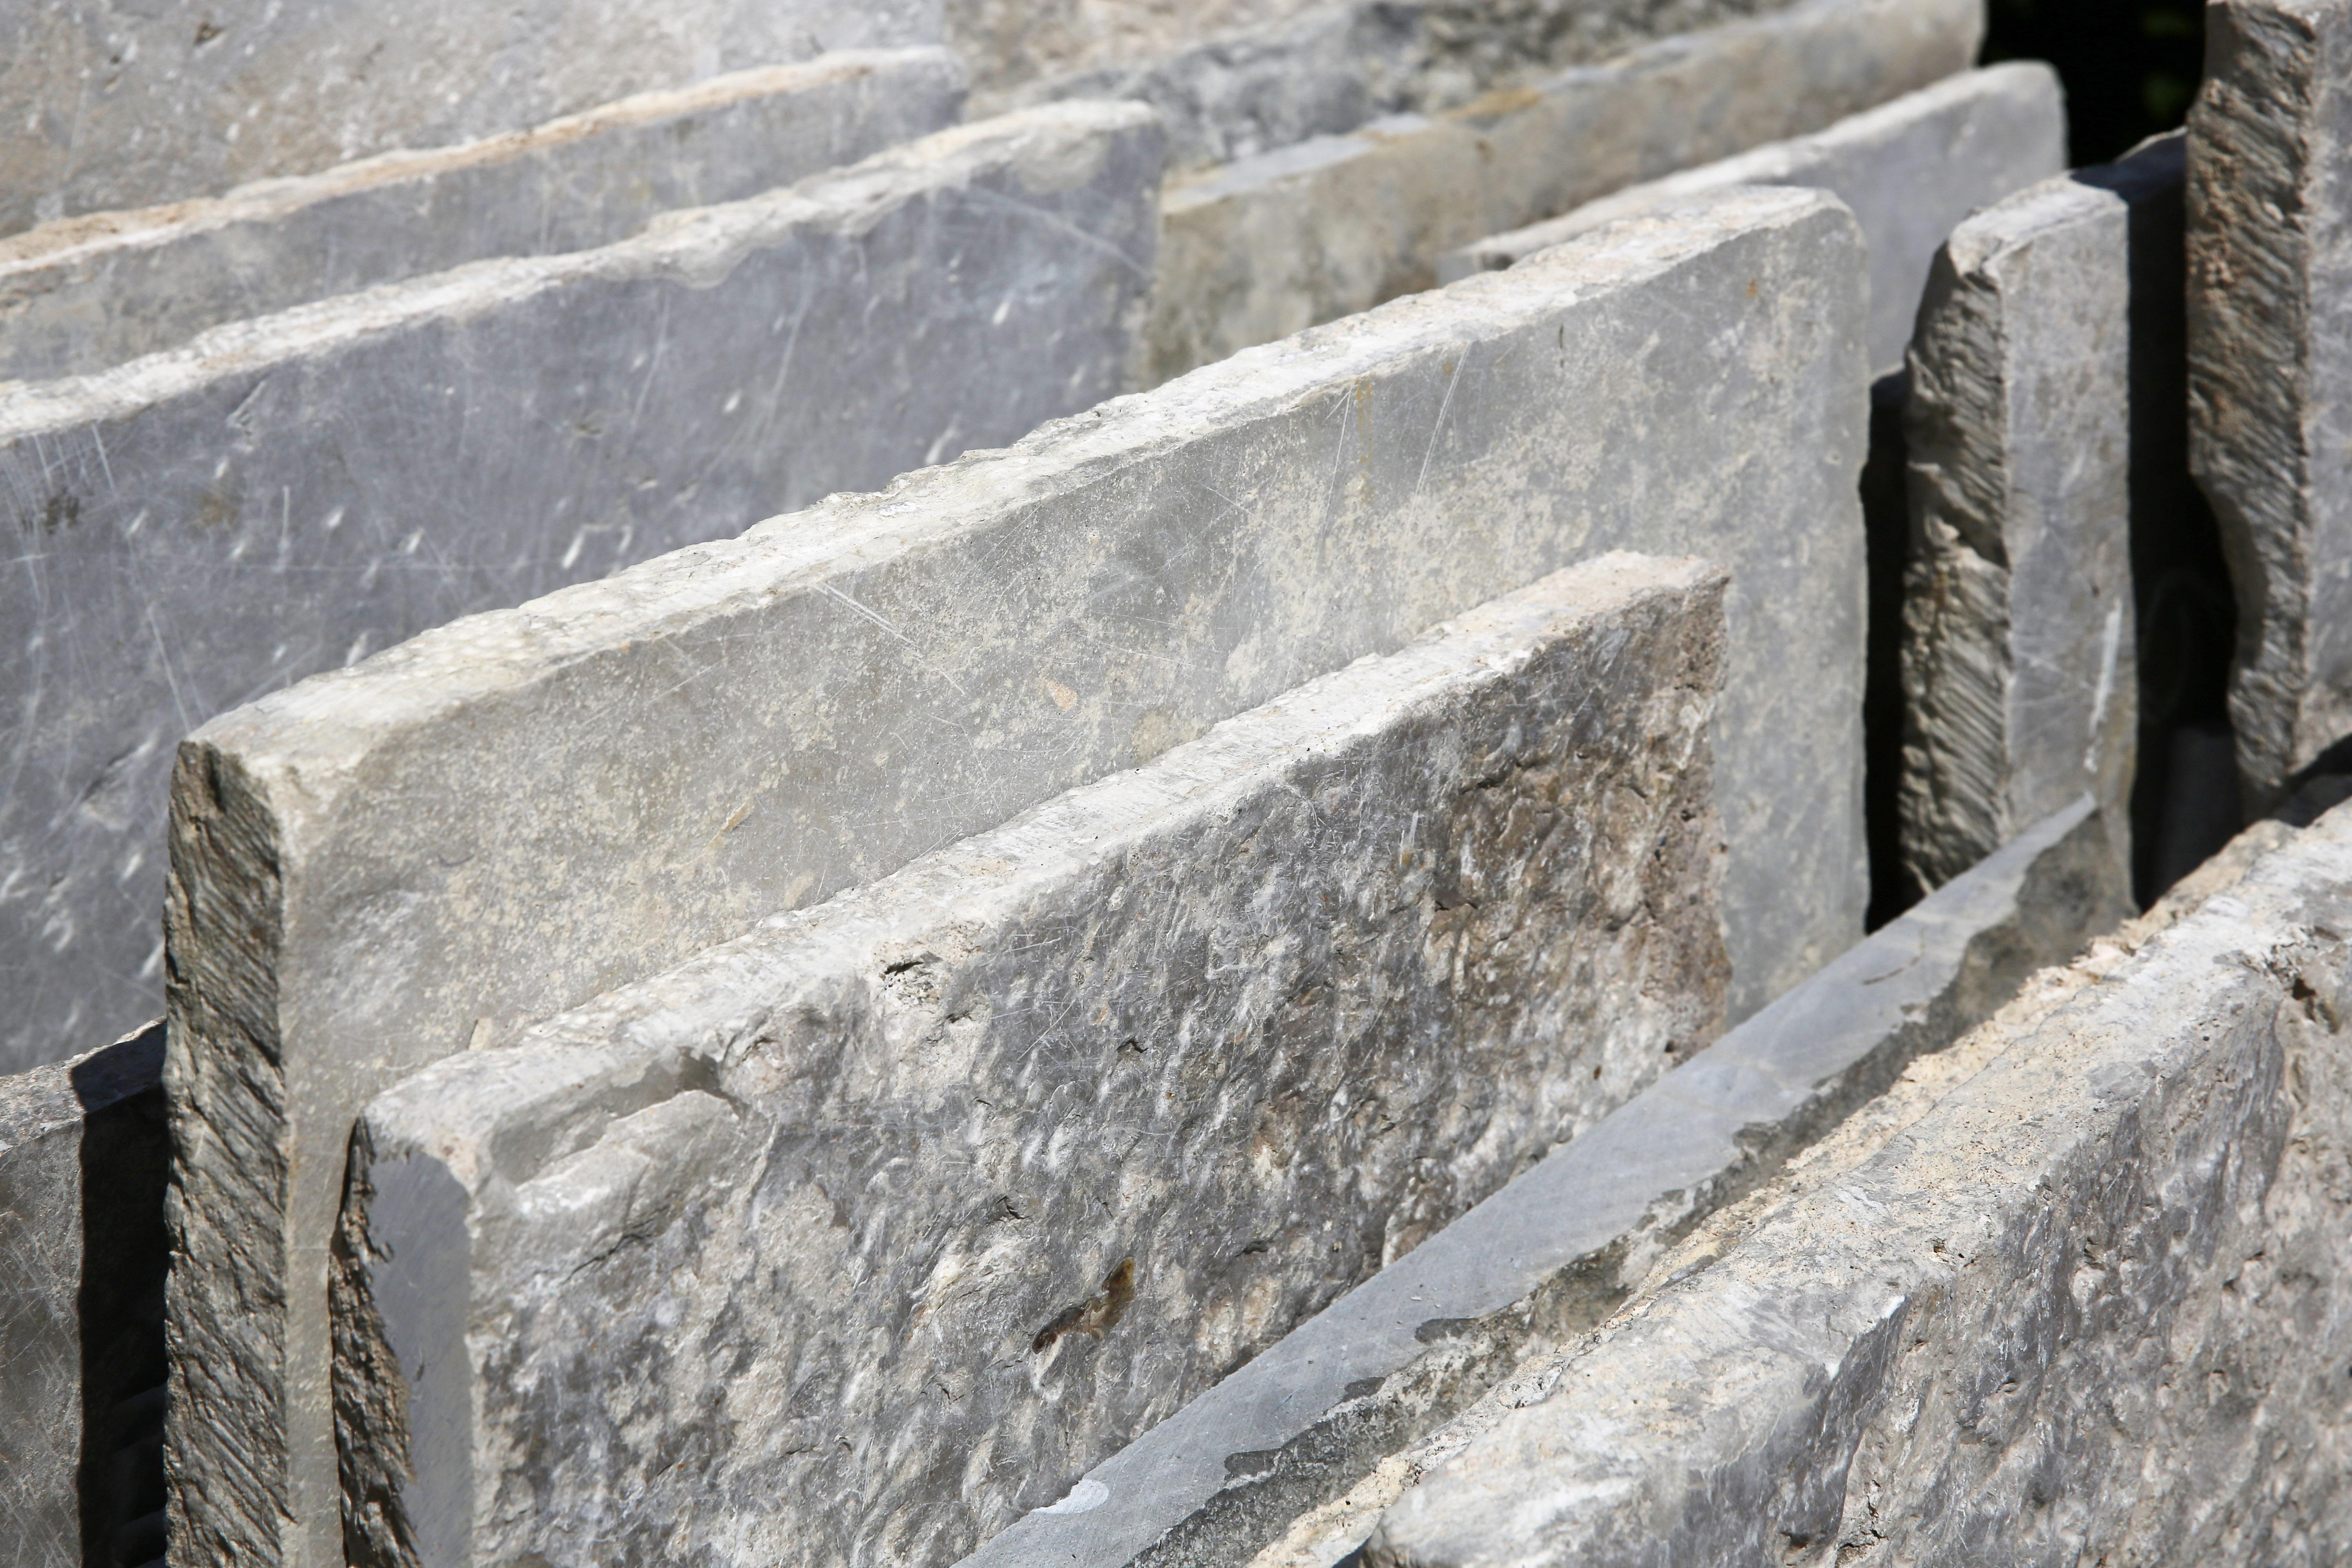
x=2270, y=365
x=1270, y=245
x=84, y=293
x=283, y=495
x=115, y=105
x=507, y=816
x=2073, y=1291
x=1911, y=170
x=854, y=1238
x=1292, y=1457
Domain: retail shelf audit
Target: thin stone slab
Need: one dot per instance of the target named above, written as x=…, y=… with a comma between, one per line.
x=1303, y=1442
x=2270, y=357
x=510, y=815
x=1270, y=245
x=1911, y=170
x=2076, y=1288
x=1009, y=1153
x=286, y=495
x=81, y=294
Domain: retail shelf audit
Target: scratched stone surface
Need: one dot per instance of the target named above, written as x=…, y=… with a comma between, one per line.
x=81, y=294
x=286, y=495
x=854, y=1238
x=387, y=864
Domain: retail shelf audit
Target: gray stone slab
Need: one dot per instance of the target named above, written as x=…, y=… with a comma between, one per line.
x=2076, y=1293
x=284, y=496
x=1309, y=1426
x=117, y=106
x=81, y=294
x=1271, y=244
x=2270, y=365
x=1009, y=1153
x=1911, y=170
x=511, y=815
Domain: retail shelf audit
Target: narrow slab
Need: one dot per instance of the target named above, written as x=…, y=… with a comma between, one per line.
x=2269, y=358
x=511, y=815
x=1014, y=1150
x=1911, y=170
x=1273, y=244
x=81, y=294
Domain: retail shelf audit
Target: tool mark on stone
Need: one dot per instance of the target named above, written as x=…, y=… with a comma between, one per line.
x=1097, y=1315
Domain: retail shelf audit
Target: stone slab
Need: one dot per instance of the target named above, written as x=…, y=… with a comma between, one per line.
x=285, y=495
x=114, y=106
x=1910, y=169
x=81, y=294
x=969, y=1174
x=2075, y=1287
x=1270, y=245
x=1296, y=1453
x=2269, y=358
x=511, y=815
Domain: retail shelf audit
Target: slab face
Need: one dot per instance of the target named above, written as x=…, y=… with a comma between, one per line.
x=1980, y=1312
x=286, y=496
x=2270, y=365
x=81, y=294
x=1911, y=170
x=1273, y=244
x=1014, y=1150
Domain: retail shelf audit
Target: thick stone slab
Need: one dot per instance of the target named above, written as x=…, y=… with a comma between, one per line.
x=2270, y=364
x=510, y=815
x=2003, y=1304
x=1123, y=1114
x=1911, y=170
x=81, y=294
x=1297, y=1452
x=284, y=496
x=1273, y=244
x=115, y=107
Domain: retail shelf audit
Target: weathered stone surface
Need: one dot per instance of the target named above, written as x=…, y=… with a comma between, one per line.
x=2075, y=1287
x=84, y=293
x=1298, y=1451
x=283, y=495
x=2270, y=364
x=1911, y=170
x=1139, y=1081
x=116, y=106
x=510, y=815
x=1273, y=244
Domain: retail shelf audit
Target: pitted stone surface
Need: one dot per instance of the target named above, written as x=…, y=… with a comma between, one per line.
x=1012, y=1152
x=81, y=294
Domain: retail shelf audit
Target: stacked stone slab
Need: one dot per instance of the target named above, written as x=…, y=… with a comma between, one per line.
x=503, y=818
x=2270, y=344
x=285, y=495
x=856, y=1237
x=84, y=293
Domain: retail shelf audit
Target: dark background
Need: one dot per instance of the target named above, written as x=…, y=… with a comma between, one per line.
x=2130, y=65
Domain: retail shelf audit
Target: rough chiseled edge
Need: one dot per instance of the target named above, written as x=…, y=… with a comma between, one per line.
x=1558, y=1249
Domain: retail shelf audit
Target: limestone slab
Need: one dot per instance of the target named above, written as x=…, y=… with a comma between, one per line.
x=284, y=496
x=1911, y=170
x=1009, y=1153
x=1269, y=244
x=513, y=814
x=2270, y=357
x=81, y=294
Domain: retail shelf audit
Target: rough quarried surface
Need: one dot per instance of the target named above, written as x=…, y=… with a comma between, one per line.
x=285, y=496
x=2270, y=364
x=854, y=1239
x=1273, y=244
x=514, y=814
x=2075, y=1286
x=81, y=294
x=1298, y=1452
x=1911, y=170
